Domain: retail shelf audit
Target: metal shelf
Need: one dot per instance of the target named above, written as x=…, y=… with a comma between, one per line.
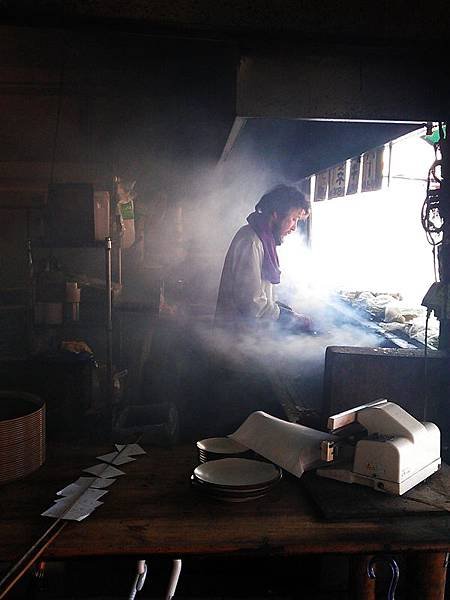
x=106, y=244
x=65, y=244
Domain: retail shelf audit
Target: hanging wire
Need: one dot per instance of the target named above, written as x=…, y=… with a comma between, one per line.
x=58, y=114
x=431, y=218
x=58, y=122
x=425, y=374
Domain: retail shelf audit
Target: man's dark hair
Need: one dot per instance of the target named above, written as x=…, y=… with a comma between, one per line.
x=281, y=199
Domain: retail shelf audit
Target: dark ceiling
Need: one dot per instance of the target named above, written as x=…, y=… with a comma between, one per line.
x=194, y=98
x=384, y=21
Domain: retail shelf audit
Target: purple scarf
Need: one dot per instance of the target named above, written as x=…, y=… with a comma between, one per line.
x=271, y=266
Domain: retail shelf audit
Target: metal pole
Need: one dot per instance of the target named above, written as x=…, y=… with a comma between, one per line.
x=119, y=263
x=19, y=568
x=109, y=350
x=31, y=298
x=390, y=165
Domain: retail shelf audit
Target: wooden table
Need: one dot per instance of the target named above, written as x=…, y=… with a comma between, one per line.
x=152, y=510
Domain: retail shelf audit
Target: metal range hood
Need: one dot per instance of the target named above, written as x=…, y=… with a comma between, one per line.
x=338, y=83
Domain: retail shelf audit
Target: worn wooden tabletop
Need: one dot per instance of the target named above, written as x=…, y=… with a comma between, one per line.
x=153, y=510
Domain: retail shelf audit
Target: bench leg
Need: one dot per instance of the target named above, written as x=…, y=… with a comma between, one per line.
x=427, y=573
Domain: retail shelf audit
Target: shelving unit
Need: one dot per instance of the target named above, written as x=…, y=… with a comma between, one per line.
x=107, y=245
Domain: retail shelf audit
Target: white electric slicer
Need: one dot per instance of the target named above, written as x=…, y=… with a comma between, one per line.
x=382, y=447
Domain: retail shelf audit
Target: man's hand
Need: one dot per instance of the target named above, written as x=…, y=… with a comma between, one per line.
x=294, y=322
x=302, y=324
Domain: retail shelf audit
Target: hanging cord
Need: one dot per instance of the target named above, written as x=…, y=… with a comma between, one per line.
x=425, y=369
x=57, y=124
x=431, y=218
x=435, y=269
x=58, y=114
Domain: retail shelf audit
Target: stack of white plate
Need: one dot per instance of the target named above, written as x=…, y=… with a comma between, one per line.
x=22, y=434
x=235, y=479
x=221, y=447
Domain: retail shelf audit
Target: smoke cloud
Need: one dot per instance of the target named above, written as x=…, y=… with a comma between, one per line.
x=216, y=201
x=226, y=195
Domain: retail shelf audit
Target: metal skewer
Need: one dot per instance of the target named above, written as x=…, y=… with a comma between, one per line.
x=21, y=566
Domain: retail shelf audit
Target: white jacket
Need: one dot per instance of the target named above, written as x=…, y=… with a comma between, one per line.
x=245, y=298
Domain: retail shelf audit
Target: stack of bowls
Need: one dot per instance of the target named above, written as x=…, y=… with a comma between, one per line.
x=221, y=447
x=22, y=434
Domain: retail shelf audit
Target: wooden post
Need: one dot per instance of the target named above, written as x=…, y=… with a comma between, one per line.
x=426, y=575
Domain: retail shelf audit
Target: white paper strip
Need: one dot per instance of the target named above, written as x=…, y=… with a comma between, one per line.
x=77, y=500
x=78, y=512
x=130, y=449
x=100, y=482
x=84, y=483
x=336, y=180
x=320, y=192
x=71, y=489
x=85, y=497
x=115, y=458
x=104, y=471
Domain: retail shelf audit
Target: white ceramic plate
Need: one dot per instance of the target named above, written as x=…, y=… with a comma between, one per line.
x=221, y=445
x=237, y=473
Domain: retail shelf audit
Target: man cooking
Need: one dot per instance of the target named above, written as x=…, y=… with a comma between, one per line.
x=251, y=269
x=247, y=313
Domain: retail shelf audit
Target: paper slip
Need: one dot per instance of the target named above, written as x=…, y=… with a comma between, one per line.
x=104, y=471
x=84, y=498
x=97, y=482
x=73, y=488
x=293, y=447
x=78, y=512
x=130, y=449
x=115, y=458
x=84, y=483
